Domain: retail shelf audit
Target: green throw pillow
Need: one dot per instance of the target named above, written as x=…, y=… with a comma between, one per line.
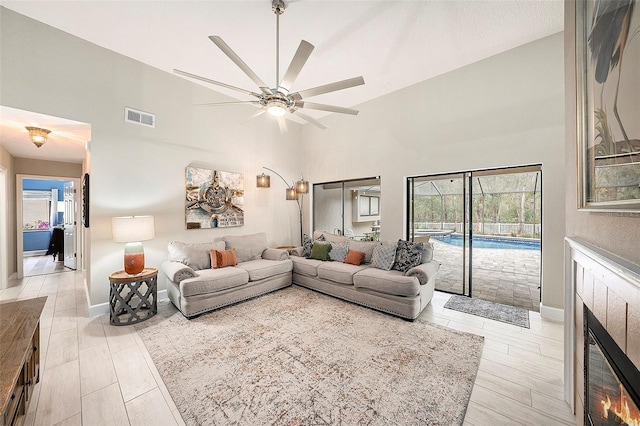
x=320, y=251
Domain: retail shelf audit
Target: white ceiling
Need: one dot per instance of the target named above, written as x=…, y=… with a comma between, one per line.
x=392, y=44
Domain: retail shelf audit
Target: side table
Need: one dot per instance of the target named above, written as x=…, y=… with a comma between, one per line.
x=133, y=298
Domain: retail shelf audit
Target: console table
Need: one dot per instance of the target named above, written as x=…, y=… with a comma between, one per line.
x=20, y=355
x=133, y=298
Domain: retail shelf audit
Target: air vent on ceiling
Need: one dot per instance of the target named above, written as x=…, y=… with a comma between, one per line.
x=139, y=117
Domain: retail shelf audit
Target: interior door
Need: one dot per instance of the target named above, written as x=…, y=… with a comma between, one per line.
x=70, y=246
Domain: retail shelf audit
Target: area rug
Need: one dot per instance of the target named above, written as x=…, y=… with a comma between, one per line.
x=494, y=311
x=300, y=357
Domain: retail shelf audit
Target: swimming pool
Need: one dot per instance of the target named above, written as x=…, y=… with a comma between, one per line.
x=493, y=242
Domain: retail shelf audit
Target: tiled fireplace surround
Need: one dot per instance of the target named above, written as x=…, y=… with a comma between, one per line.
x=610, y=288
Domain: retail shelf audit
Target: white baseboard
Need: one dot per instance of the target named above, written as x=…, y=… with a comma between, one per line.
x=552, y=314
x=103, y=308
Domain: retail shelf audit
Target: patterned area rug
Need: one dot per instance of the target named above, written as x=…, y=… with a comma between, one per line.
x=300, y=357
x=494, y=311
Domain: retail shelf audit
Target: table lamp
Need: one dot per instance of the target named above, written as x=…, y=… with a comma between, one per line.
x=132, y=230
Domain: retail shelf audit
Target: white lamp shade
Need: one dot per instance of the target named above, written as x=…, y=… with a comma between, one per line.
x=128, y=229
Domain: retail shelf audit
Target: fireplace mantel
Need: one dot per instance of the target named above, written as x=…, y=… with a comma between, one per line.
x=610, y=287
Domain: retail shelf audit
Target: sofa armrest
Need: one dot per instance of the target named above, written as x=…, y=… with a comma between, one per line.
x=275, y=254
x=424, y=272
x=296, y=251
x=177, y=271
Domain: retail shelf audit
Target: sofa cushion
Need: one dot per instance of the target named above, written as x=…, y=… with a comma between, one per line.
x=338, y=251
x=223, y=258
x=304, y=266
x=408, y=255
x=354, y=257
x=387, y=282
x=339, y=272
x=383, y=256
x=195, y=255
x=248, y=247
x=260, y=269
x=214, y=280
x=364, y=246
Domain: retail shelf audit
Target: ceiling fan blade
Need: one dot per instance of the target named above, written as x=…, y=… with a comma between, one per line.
x=331, y=87
x=323, y=107
x=260, y=112
x=230, y=103
x=282, y=124
x=217, y=83
x=240, y=63
x=298, y=61
x=310, y=120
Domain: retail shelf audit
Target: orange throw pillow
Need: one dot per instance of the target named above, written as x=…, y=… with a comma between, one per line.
x=354, y=257
x=222, y=258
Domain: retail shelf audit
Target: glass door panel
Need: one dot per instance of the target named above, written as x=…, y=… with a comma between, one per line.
x=439, y=213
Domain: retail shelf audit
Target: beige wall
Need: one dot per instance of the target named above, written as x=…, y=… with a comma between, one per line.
x=26, y=166
x=502, y=111
x=615, y=233
x=139, y=170
x=8, y=222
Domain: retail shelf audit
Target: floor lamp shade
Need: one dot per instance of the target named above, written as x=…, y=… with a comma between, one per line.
x=133, y=230
x=263, y=181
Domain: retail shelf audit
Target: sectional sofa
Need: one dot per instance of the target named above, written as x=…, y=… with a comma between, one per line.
x=197, y=282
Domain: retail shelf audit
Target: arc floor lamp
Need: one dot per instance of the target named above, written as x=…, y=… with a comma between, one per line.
x=294, y=191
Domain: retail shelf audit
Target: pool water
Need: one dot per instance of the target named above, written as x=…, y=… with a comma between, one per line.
x=493, y=242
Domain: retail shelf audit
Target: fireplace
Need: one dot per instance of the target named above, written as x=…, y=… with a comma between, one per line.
x=612, y=381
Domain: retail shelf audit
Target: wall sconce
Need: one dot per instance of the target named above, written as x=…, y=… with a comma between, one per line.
x=263, y=181
x=132, y=230
x=38, y=136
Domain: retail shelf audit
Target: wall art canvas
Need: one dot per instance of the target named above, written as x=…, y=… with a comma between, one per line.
x=214, y=198
x=608, y=55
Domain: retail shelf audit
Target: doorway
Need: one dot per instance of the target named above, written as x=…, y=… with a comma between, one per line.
x=485, y=226
x=47, y=237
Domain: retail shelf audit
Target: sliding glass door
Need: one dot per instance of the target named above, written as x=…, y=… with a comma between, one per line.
x=485, y=226
x=439, y=208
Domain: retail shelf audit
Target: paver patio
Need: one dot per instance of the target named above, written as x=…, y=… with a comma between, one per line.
x=506, y=276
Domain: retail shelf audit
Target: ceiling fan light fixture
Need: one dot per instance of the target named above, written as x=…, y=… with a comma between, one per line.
x=277, y=107
x=38, y=136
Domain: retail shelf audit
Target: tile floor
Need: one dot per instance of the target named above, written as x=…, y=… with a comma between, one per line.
x=97, y=374
x=41, y=265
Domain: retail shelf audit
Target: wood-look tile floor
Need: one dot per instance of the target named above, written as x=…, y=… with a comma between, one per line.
x=41, y=265
x=93, y=373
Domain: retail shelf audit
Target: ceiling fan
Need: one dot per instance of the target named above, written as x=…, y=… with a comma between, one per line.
x=279, y=100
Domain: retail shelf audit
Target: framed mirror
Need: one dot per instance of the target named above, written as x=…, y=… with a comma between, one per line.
x=608, y=105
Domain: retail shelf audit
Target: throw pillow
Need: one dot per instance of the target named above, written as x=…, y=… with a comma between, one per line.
x=354, y=257
x=427, y=253
x=307, y=245
x=384, y=256
x=320, y=251
x=408, y=255
x=338, y=251
x=223, y=258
